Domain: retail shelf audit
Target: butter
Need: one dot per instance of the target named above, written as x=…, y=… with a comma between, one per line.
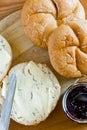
x=37, y=92
x=4, y=59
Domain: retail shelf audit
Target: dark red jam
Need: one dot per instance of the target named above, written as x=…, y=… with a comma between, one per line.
x=76, y=102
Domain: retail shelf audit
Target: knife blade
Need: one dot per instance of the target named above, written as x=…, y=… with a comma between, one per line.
x=6, y=110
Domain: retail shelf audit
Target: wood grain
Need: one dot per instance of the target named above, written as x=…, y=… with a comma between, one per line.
x=24, y=50
x=9, y=6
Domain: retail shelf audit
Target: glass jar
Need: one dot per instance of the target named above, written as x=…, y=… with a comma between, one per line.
x=75, y=102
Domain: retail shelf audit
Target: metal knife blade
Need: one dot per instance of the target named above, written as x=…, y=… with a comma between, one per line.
x=6, y=110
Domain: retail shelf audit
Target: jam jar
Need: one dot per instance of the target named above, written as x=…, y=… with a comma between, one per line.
x=75, y=102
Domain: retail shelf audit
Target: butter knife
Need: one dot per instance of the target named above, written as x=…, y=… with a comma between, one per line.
x=6, y=110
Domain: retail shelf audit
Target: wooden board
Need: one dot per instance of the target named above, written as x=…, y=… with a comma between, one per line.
x=9, y=6
x=24, y=50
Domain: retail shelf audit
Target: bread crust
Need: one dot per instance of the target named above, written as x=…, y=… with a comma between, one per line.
x=35, y=15
x=36, y=27
x=67, y=48
x=64, y=34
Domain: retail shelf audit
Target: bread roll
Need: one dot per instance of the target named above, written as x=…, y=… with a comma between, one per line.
x=60, y=26
x=37, y=92
x=36, y=27
x=5, y=57
x=67, y=47
x=42, y=17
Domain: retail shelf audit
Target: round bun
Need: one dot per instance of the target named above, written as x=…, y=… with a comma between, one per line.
x=36, y=95
x=41, y=17
x=5, y=57
x=59, y=25
x=67, y=48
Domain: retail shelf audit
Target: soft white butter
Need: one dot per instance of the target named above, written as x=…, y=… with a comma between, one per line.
x=4, y=58
x=37, y=92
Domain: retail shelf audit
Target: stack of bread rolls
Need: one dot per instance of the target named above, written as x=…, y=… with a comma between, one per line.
x=60, y=26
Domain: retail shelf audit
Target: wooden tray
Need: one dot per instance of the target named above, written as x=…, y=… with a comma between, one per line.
x=24, y=50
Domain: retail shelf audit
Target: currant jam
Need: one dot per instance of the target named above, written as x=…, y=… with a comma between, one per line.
x=75, y=102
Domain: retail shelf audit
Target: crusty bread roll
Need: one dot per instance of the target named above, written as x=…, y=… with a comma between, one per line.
x=36, y=95
x=68, y=7
x=41, y=17
x=67, y=48
x=35, y=29
x=5, y=57
x=59, y=25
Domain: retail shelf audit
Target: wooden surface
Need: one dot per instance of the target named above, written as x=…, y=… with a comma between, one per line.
x=24, y=50
x=9, y=6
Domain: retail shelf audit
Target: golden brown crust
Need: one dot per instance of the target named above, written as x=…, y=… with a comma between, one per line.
x=66, y=7
x=36, y=28
x=67, y=48
x=79, y=27
x=81, y=61
x=35, y=15
x=79, y=11
x=59, y=25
